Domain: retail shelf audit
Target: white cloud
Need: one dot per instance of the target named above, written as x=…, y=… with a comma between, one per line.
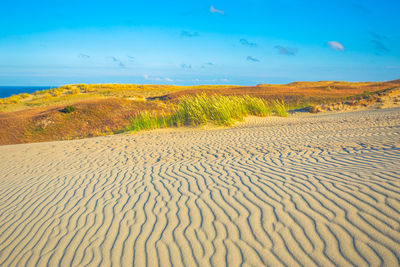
x=214, y=10
x=335, y=45
x=169, y=79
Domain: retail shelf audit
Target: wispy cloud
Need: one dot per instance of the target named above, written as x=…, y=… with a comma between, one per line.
x=378, y=36
x=245, y=42
x=249, y=58
x=130, y=58
x=114, y=59
x=378, y=41
x=185, y=66
x=119, y=62
x=83, y=56
x=207, y=64
x=214, y=10
x=289, y=51
x=189, y=34
x=361, y=8
x=335, y=45
x=158, y=79
x=379, y=46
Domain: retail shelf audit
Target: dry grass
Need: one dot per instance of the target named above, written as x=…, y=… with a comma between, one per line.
x=70, y=94
x=108, y=108
x=90, y=118
x=296, y=95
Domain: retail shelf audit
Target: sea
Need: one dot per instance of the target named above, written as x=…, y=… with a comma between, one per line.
x=6, y=91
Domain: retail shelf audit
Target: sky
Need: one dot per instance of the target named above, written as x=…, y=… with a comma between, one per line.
x=57, y=42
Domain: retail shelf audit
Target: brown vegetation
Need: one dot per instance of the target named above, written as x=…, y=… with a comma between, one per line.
x=107, y=109
x=296, y=94
x=90, y=118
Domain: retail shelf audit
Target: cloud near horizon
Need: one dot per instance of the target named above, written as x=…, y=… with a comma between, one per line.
x=119, y=62
x=245, y=42
x=214, y=10
x=207, y=64
x=335, y=45
x=289, y=51
x=186, y=66
x=158, y=79
x=83, y=56
x=250, y=58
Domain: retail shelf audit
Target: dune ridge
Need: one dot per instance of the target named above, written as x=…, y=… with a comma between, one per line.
x=305, y=190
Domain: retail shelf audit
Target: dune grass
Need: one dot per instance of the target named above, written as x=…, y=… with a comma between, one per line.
x=202, y=109
x=220, y=110
x=73, y=93
x=280, y=108
x=144, y=121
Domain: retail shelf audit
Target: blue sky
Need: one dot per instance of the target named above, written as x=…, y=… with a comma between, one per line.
x=198, y=42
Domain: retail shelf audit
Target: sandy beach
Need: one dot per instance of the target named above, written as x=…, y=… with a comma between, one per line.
x=311, y=190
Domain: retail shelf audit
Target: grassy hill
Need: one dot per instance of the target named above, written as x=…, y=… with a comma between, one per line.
x=102, y=109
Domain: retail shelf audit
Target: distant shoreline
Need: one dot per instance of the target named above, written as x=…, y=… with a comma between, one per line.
x=6, y=91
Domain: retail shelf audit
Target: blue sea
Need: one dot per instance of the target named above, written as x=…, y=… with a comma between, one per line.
x=6, y=91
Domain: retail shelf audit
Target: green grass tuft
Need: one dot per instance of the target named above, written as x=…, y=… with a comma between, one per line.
x=280, y=108
x=202, y=109
x=144, y=121
x=68, y=109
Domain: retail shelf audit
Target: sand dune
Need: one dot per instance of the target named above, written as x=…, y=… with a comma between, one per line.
x=306, y=190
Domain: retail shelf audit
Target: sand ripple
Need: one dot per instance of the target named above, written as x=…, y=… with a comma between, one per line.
x=313, y=190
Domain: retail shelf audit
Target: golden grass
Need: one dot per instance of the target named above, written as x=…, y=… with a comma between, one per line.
x=109, y=108
x=69, y=94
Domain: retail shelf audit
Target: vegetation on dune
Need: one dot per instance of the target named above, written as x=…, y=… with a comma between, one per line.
x=202, y=109
x=296, y=94
x=68, y=109
x=146, y=121
x=113, y=108
x=91, y=118
x=221, y=110
x=280, y=108
x=69, y=94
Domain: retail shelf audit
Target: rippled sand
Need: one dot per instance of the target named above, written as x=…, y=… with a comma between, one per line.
x=306, y=190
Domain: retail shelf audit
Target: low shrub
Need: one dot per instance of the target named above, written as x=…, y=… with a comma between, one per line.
x=68, y=109
x=75, y=90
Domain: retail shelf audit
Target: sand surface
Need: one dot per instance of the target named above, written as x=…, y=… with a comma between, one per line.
x=306, y=190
